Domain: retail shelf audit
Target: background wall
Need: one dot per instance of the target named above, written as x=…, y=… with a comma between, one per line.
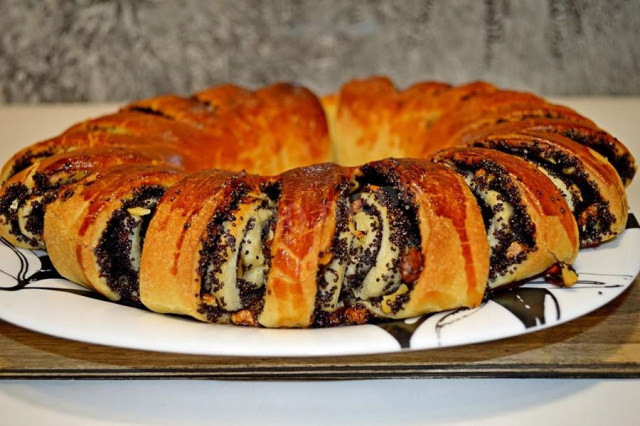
x=59, y=50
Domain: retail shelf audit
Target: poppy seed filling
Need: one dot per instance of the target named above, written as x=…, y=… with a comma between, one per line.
x=591, y=211
x=235, y=257
x=600, y=142
x=14, y=197
x=376, y=232
x=510, y=230
x=23, y=207
x=119, y=249
x=331, y=273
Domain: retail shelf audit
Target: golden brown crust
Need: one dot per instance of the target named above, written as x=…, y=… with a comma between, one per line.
x=185, y=110
x=170, y=280
x=241, y=135
x=372, y=120
x=192, y=143
x=89, y=175
x=26, y=194
x=588, y=135
x=82, y=140
x=488, y=110
x=454, y=244
x=548, y=219
x=224, y=95
x=455, y=252
x=280, y=119
x=588, y=180
x=236, y=129
x=305, y=228
x=75, y=222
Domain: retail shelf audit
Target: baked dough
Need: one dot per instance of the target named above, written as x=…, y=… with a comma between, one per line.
x=277, y=208
x=529, y=223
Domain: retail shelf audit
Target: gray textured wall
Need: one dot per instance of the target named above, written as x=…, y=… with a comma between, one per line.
x=60, y=50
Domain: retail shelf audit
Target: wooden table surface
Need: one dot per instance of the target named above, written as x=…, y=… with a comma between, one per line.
x=605, y=343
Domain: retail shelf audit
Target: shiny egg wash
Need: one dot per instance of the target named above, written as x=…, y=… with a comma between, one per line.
x=569, y=175
x=370, y=268
x=510, y=230
x=119, y=249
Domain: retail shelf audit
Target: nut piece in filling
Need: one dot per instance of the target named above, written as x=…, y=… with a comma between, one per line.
x=529, y=224
x=508, y=247
x=589, y=184
x=235, y=261
x=375, y=256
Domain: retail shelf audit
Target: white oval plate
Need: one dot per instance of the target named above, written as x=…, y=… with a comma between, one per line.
x=31, y=296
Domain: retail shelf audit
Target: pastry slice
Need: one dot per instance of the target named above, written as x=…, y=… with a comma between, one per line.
x=242, y=249
x=590, y=136
x=529, y=224
x=487, y=110
x=409, y=241
x=24, y=198
x=95, y=231
x=85, y=140
x=588, y=182
x=206, y=252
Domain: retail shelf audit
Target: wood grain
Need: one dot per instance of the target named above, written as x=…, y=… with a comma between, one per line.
x=605, y=343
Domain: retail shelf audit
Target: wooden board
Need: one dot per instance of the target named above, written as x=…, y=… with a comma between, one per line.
x=605, y=343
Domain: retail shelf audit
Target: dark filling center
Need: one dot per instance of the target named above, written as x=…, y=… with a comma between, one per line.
x=13, y=198
x=513, y=237
x=28, y=158
x=35, y=221
x=359, y=238
x=17, y=196
x=48, y=193
x=330, y=274
x=219, y=240
x=600, y=143
x=116, y=255
x=589, y=208
x=216, y=239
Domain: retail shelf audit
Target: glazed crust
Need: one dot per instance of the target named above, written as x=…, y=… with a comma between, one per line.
x=227, y=150
x=75, y=222
x=305, y=228
x=86, y=140
x=554, y=230
x=40, y=184
x=488, y=109
x=169, y=276
x=370, y=119
x=602, y=183
x=588, y=135
x=454, y=247
x=230, y=129
x=171, y=281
